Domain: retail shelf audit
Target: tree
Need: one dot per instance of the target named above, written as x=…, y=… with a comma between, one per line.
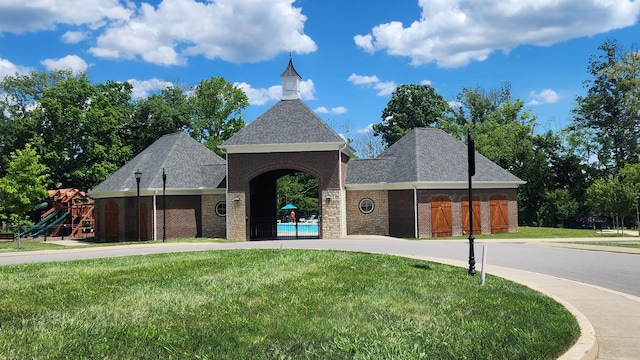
x=19, y=96
x=559, y=209
x=611, y=197
x=158, y=115
x=503, y=130
x=24, y=186
x=216, y=112
x=79, y=125
x=302, y=192
x=611, y=106
x=411, y=106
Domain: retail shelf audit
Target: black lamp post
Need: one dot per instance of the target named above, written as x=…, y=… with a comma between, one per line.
x=471, y=160
x=164, y=206
x=138, y=175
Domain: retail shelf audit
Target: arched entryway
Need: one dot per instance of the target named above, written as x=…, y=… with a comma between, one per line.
x=284, y=204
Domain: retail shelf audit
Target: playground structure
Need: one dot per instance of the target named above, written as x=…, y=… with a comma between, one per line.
x=70, y=215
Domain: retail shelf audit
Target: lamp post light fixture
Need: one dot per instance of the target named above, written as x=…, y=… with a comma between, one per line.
x=138, y=175
x=164, y=206
x=292, y=177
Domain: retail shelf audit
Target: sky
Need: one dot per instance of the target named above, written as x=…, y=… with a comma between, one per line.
x=351, y=54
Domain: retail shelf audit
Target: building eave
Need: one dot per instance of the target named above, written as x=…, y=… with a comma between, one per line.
x=283, y=148
x=435, y=185
x=156, y=192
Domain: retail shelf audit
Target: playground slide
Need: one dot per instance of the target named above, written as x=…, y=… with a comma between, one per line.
x=54, y=223
x=41, y=223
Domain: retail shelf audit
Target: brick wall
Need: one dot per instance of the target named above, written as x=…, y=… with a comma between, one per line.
x=374, y=223
x=321, y=164
x=213, y=225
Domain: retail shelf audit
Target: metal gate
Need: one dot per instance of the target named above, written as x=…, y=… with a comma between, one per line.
x=272, y=229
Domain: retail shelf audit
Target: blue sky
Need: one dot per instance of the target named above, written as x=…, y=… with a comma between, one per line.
x=351, y=54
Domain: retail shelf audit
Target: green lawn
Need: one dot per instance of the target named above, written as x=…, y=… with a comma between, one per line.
x=272, y=304
x=39, y=244
x=532, y=232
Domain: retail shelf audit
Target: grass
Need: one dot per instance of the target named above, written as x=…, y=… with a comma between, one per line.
x=604, y=243
x=533, y=232
x=272, y=304
x=31, y=245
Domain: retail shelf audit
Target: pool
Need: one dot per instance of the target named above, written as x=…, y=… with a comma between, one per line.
x=303, y=229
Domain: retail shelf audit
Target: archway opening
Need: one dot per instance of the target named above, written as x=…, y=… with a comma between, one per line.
x=284, y=204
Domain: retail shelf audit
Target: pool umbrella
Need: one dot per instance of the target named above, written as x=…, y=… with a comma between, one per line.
x=289, y=207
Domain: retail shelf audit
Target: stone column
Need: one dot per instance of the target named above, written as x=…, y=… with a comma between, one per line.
x=236, y=216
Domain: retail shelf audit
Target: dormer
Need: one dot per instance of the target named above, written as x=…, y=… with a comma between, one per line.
x=290, y=82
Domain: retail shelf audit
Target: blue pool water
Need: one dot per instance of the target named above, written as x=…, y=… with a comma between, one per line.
x=303, y=228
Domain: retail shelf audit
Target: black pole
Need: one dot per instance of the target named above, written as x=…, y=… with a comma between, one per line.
x=138, y=174
x=164, y=206
x=472, y=170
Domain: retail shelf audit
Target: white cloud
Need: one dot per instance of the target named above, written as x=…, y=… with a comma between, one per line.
x=453, y=33
x=74, y=37
x=7, y=68
x=234, y=31
x=69, y=62
x=22, y=16
x=546, y=96
x=366, y=130
x=335, y=110
x=425, y=82
x=361, y=79
x=169, y=31
x=142, y=88
x=384, y=88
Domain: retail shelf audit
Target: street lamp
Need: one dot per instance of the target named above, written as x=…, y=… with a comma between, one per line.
x=138, y=175
x=471, y=161
x=164, y=206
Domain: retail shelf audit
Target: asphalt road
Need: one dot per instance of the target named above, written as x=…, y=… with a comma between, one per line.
x=611, y=270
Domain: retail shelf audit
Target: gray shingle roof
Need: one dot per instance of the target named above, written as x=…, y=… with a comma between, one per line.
x=425, y=156
x=290, y=70
x=287, y=122
x=188, y=164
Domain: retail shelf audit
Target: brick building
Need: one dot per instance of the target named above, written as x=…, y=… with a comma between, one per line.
x=416, y=188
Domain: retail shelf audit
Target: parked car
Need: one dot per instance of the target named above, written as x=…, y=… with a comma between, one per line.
x=594, y=222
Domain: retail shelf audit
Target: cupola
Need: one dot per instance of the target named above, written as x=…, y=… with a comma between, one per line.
x=290, y=82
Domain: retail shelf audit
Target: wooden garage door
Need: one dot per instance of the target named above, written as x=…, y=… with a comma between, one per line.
x=144, y=235
x=477, y=223
x=499, y=215
x=441, y=217
x=111, y=227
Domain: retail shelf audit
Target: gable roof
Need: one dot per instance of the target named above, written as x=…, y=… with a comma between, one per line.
x=289, y=125
x=190, y=168
x=427, y=158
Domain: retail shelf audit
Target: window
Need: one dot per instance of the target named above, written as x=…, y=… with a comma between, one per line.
x=366, y=206
x=221, y=208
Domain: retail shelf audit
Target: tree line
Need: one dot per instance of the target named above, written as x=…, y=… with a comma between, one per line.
x=58, y=129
